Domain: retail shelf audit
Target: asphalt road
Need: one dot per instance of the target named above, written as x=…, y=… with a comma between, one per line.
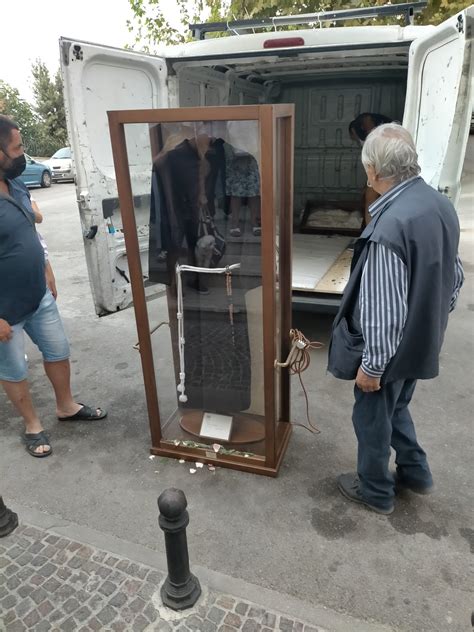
x=294, y=534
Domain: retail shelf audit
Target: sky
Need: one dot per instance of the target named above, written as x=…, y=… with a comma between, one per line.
x=36, y=27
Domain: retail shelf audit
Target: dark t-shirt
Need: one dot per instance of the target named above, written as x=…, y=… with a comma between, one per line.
x=22, y=280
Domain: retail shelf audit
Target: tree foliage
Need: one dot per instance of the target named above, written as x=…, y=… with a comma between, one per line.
x=150, y=27
x=48, y=93
x=22, y=113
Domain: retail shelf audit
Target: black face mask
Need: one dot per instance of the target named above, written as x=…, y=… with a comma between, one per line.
x=16, y=168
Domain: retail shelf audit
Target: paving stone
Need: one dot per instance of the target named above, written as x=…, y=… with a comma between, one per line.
x=123, y=565
x=150, y=613
x=194, y=623
x=216, y=614
x=73, y=546
x=103, y=571
x=47, y=570
x=56, y=615
x=106, y=615
x=226, y=602
x=14, y=552
x=9, y=602
x=95, y=625
x=64, y=592
x=154, y=577
x=269, y=620
x=64, y=573
x=32, y=618
x=70, y=605
x=137, y=605
x=118, y=600
x=45, y=608
x=111, y=560
x=82, y=614
x=75, y=562
x=10, y=570
x=38, y=595
x=286, y=625
x=298, y=627
x=140, y=623
x=241, y=608
x=16, y=626
x=13, y=583
x=131, y=586
x=256, y=613
x=37, y=580
x=23, y=607
x=147, y=590
x=43, y=626
x=4, y=591
x=233, y=620
x=36, y=547
x=51, y=585
x=10, y=616
x=69, y=625
x=107, y=588
x=39, y=560
x=52, y=539
x=119, y=626
x=85, y=551
x=24, y=559
x=251, y=626
x=208, y=626
x=99, y=556
x=137, y=571
x=226, y=628
x=49, y=551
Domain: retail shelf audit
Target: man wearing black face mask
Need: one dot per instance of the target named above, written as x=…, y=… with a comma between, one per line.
x=27, y=304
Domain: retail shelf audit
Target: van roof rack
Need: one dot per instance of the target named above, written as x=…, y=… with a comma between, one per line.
x=407, y=8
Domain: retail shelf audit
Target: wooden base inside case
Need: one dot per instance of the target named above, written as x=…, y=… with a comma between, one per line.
x=245, y=428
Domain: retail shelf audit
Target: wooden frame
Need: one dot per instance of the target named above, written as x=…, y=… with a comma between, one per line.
x=276, y=175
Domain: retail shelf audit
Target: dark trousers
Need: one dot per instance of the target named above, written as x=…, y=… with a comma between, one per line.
x=382, y=420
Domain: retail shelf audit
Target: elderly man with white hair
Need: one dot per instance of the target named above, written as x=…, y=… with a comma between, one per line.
x=405, y=280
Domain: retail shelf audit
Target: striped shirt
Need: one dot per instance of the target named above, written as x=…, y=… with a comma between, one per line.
x=383, y=298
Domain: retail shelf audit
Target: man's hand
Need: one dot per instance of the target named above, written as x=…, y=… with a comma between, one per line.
x=366, y=383
x=50, y=280
x=6, y=332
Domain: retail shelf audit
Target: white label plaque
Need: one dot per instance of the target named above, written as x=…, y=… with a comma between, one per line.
x=216, y=426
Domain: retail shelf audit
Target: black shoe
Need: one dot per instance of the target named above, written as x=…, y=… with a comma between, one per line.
x=401, y=483
x=348, y=485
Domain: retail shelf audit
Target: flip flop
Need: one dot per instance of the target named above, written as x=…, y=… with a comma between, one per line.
x=86, y=413
x=35, y=440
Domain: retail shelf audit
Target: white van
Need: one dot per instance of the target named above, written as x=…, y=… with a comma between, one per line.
x=420, y=75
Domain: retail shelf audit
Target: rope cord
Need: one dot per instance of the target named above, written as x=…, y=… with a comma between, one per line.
x=298, y=361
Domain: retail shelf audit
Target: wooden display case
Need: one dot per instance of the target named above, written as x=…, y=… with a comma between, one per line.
x=235, y=323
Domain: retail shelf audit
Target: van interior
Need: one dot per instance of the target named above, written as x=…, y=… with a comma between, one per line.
x=329, y=89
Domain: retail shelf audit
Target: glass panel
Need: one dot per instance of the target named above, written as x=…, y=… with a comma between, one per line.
x=283, y=224
x=196, y=188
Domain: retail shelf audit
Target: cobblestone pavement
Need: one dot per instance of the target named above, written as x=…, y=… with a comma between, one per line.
x=48, y=582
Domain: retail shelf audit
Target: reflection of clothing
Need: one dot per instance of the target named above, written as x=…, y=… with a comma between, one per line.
x=217, y=363
x=175, y=209
x=241, y=174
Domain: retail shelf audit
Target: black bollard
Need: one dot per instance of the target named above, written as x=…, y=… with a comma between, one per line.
x=181, y=589
x=8, y=520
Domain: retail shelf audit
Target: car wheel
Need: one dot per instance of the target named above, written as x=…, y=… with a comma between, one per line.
x=45, y=180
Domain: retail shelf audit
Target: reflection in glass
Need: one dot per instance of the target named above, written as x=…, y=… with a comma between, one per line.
x=204, y=246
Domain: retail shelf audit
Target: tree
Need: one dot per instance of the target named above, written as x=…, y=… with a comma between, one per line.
x=150, y=27
x=48, y=92
x=22, y=113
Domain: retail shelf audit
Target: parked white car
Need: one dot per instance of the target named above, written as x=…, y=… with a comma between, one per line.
x=61, y=165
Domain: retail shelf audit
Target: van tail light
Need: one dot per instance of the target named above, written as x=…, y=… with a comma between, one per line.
x=283, y=42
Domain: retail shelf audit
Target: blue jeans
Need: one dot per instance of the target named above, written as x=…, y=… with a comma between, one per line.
x=382, y=420
x=45, y=328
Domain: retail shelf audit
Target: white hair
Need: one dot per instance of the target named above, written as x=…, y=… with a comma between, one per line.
x=390, y=150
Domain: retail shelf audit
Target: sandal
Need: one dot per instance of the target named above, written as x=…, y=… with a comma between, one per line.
x=86, y=413
x=35, y=440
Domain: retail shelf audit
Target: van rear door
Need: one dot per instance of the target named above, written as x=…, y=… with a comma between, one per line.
x=97, y=79
x=438, y=101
